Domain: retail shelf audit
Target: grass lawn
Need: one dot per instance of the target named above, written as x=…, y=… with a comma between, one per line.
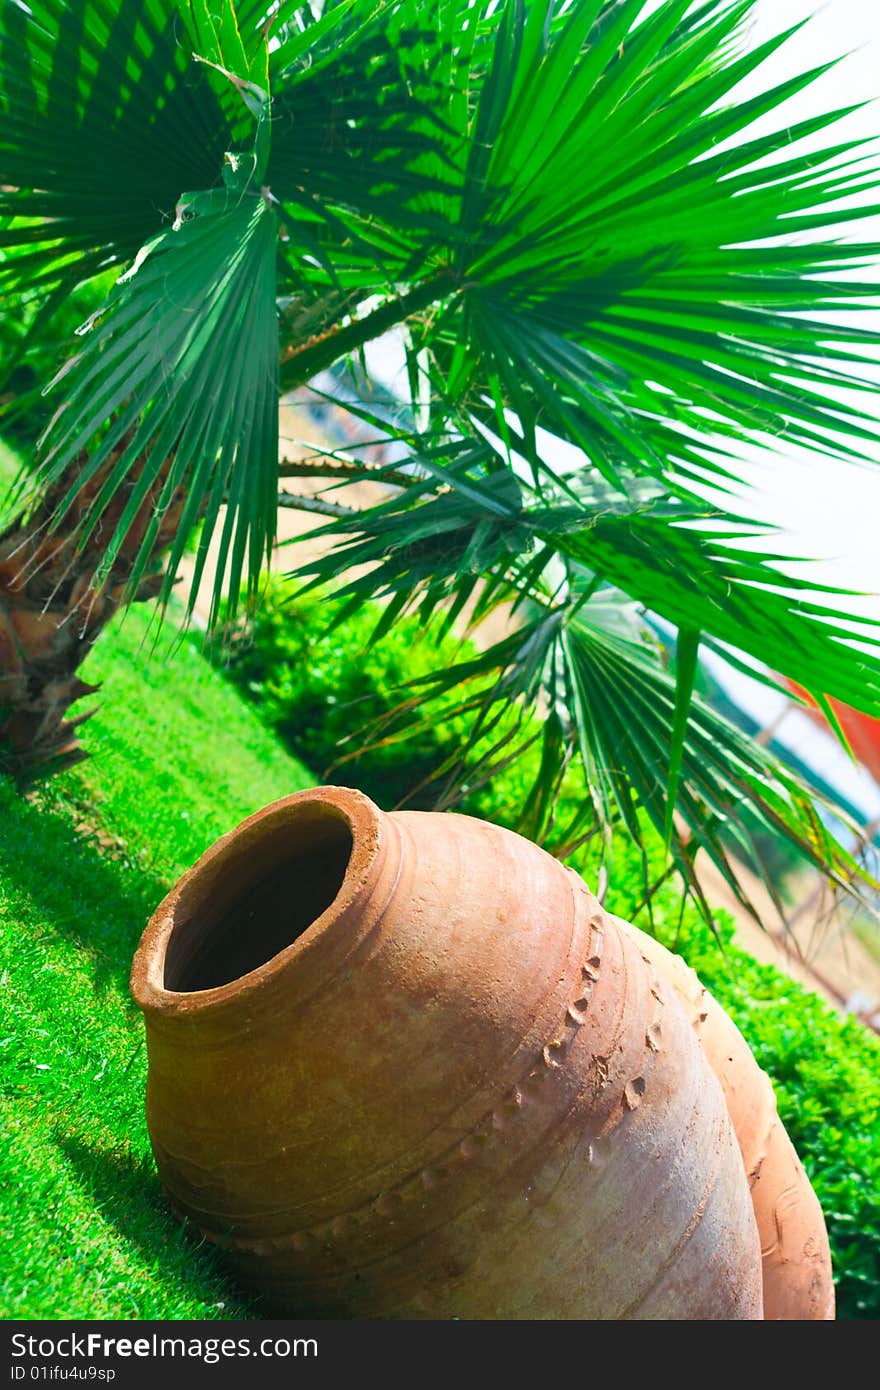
x=8, y=470
x=177, y=760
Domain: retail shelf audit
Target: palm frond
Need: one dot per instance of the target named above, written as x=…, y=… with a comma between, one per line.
x=104, y=122
x=518, y=182
x=631, y=282
x=591, y=685
x=679, y=559
x=183, y=365
x=689, y=569
x=574, y=576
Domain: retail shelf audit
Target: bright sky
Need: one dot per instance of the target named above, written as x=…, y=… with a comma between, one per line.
x=828, y=510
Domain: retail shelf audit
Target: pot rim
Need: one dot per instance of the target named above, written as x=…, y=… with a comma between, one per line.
x=363, y=819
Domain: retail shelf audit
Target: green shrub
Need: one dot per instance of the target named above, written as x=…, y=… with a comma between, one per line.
x=322, y=688
x=313, y=683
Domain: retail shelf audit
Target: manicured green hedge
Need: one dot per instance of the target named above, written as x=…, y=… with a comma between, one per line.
x=320, y=688
x=314, y=684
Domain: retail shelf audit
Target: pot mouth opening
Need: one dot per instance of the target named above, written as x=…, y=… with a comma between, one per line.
x=257, y=897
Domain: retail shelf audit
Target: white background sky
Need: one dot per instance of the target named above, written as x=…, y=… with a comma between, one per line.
x=825, y=509
x=828, y=510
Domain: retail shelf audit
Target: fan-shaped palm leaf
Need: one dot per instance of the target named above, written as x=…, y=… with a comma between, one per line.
x=569, y=210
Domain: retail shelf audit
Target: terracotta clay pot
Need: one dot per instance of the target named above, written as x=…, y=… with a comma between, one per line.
x=796, y=1257
x=405, y=1066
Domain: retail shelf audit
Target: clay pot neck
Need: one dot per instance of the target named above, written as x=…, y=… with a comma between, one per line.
x=269, y=898
x=284, y=886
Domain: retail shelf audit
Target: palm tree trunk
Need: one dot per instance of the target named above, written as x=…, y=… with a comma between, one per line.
x=53, y=607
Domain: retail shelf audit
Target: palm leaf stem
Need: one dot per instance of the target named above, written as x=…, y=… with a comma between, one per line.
x=316, y=505
x=345, y=471
x=300, y=363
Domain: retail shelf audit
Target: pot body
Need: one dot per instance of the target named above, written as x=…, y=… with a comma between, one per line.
x=405, y=1066
x=796, y=1258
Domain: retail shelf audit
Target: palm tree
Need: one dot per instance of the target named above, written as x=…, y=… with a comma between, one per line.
x=561, y=210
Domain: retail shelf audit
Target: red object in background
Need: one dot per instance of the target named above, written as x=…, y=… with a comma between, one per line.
x=862, y=730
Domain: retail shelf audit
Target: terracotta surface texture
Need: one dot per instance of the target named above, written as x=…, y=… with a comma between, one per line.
x=404, y=1066
x=796, y=1257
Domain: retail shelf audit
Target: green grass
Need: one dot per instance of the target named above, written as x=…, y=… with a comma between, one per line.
x=8, y=471
x=9, y=463
x=177, y=756
x=177, y=760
